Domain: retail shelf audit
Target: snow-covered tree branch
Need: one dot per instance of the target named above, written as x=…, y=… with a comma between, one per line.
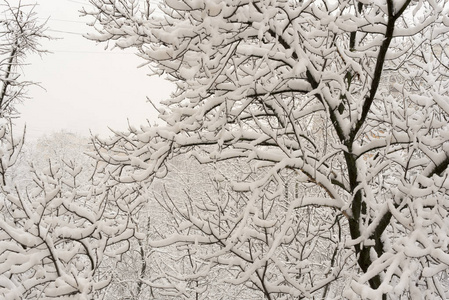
x=62, y=235
x=351, y=97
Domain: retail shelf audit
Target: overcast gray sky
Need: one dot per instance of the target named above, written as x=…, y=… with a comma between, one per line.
x=84, y=87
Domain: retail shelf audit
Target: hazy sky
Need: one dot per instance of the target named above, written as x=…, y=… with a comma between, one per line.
x=84, y=87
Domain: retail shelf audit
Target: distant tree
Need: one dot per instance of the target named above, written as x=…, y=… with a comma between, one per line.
x=58, y=148
x=61, y=146
x=20, y=35
x=349, y=99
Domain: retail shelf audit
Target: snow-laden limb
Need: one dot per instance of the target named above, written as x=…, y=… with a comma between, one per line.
x=346, y=101
x=56, y=237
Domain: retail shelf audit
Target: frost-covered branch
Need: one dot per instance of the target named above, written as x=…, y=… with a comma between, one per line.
x=20, y=35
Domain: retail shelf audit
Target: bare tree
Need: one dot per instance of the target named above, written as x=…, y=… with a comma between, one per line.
x=349, y=96
x=20, y=35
